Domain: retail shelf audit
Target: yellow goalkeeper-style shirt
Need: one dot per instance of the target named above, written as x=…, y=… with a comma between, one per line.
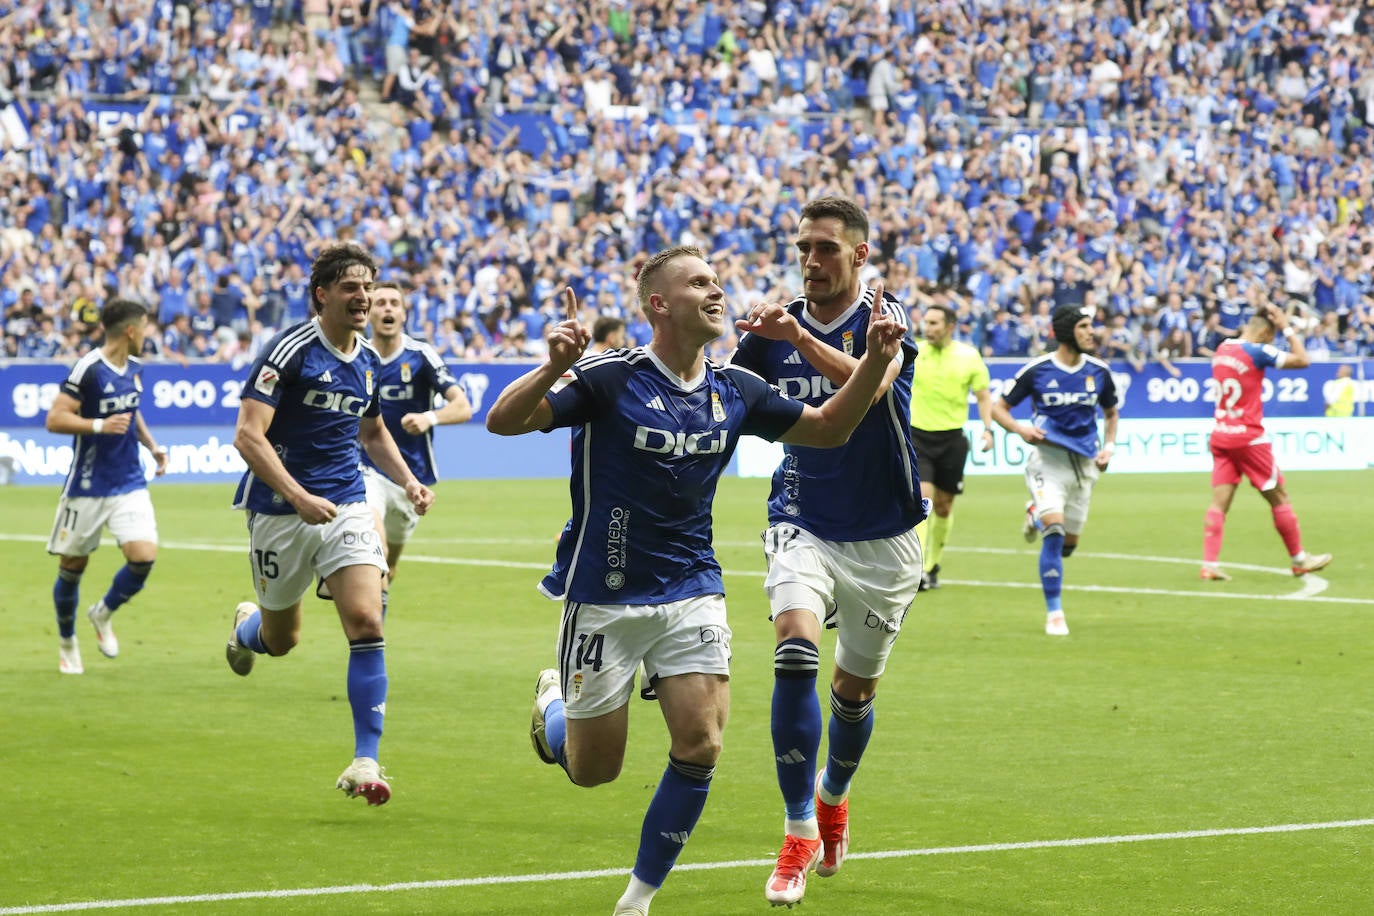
x=1343, y=402
x=941, y=384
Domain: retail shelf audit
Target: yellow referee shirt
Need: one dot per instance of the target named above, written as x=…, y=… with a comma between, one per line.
x=941, y=384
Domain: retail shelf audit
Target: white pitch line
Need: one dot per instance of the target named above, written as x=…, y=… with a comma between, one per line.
x=548, y=877
x=1311, y=584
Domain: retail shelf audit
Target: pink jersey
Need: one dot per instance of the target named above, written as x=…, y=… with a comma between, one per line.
x=1238, y=369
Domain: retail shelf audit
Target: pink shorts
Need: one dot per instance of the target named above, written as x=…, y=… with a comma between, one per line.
x=1253, y=462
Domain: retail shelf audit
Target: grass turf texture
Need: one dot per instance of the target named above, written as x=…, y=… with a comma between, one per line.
x=1172, y=707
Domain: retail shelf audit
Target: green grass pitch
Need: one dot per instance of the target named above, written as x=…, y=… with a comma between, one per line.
x=1117, y=771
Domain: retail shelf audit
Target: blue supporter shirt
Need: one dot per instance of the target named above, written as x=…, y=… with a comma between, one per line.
x=822, y=489
x=320, y=395
x=408, y=382
x=105, y=465
x=1064, y=401
x=647, y=452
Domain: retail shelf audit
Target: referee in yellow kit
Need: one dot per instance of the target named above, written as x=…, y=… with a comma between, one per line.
x=946, y=371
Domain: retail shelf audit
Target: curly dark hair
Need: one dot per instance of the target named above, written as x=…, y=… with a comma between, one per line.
x=333, y=263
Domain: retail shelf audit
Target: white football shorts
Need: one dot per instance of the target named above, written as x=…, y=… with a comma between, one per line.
x=861, y=589
x=600, y=647
x=1061, y=481
x=286, y=554
x=389, y=501
x=80, y=520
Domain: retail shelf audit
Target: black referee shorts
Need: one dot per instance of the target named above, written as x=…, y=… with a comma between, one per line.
x=940, y=457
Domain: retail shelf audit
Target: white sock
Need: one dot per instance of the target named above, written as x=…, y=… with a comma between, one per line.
x=637, y=896
x=825, y=796
x=802, y=830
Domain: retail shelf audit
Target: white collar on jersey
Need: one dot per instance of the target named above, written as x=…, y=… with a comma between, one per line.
x=679, y=381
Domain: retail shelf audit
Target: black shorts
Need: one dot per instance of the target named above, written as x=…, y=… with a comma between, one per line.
x=940, y=457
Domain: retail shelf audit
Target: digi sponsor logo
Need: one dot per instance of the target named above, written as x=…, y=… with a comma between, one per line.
x=397, y=392
x=335, y=400
x=715, y=635
x=874, y=622
x=677, y=444
x=807, y=388
x=120, y=403
x=1066, y=398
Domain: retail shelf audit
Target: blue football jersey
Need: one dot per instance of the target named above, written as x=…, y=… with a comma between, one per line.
x=320, y=395
x=1064, y=401
x=408, y=382
x=105, y=465
x=869, y=487
x=647, y=451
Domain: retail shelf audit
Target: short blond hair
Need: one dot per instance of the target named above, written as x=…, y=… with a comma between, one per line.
x=648, y=273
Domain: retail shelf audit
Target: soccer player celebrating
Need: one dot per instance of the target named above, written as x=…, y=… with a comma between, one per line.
x=841, y=543
x=1240, y=447
x=411, y=377
x=1066, y=389
x=98, y=405
x=654, y=427
x=946, y=371
x=309, y=398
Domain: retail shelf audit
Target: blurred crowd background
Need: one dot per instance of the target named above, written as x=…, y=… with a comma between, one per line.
x=1171, y=163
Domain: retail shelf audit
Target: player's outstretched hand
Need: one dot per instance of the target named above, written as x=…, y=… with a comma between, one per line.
x=420, y=496
x=770, y=320
x=885, y=333
x=315, y=510
x=568, y=341
x=160, y=458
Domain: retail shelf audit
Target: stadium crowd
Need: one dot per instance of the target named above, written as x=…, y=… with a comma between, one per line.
x=1172, y=163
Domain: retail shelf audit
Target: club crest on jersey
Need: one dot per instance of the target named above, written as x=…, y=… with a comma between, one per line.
x=847, y=341
x=405, y=373
x=266, y=382
x=717, y=408
x=1090, y=384
x=367, y=381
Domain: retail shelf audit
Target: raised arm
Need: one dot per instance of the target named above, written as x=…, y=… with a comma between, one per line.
x=1296, y=357
x=832, y=423
x=774, y=322
x=521, y=407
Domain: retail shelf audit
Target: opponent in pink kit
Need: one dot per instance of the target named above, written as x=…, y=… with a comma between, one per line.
x=1240, y=446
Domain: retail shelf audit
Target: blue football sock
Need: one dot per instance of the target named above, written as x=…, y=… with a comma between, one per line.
x=796, y=725
x=128, y=581
x=673, y=813
x=367, y=693
x=1052, y=569
x=851, y=725
x=249, y=633
x=66, y=594
x=556, y=731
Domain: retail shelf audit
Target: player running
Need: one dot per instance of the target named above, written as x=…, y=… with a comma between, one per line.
x=1066, y=389
x=410, y=378
x=106, y=487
